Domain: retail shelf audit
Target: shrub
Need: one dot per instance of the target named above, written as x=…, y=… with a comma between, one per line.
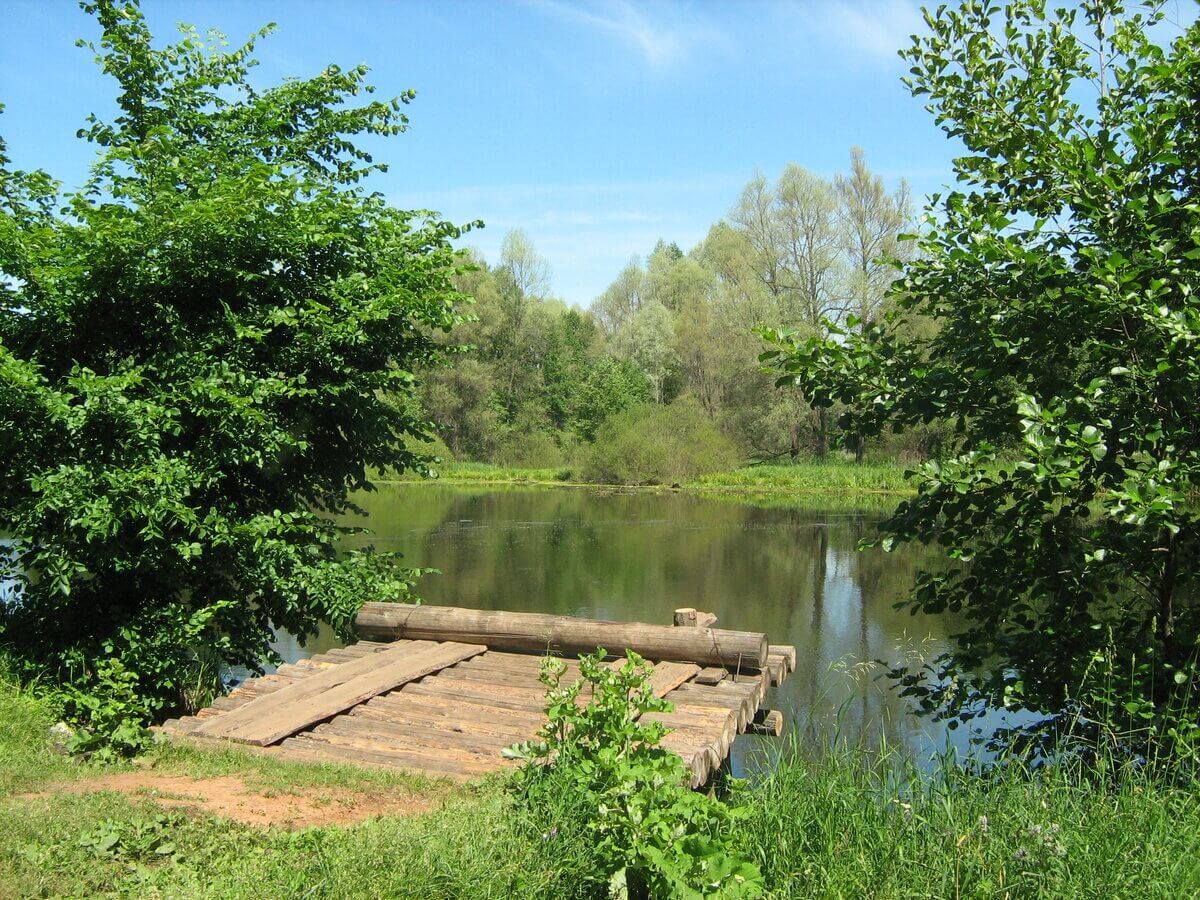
x=528, y=450
x=652, y=444
x=597, y=784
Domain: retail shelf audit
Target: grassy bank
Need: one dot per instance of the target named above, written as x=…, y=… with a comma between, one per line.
x=832, y=477
x=835, y=827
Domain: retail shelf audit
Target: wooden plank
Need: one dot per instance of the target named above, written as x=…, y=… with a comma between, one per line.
x=515, y=662
x=329, y=752
x=776, y=669
x=538, y=631
x=512, y=731
x=690, y=617
x=469, y=690
x=268, y=719
x=711, y=675
x=669, y=675
x=760, y=680
x=434, y=705
x=395, y=735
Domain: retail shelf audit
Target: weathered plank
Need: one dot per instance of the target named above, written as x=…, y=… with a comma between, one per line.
x=711, y=675
x=690, y=617
x=669, y=675
x=537, y=631
x=268, y=719
x=316, y=750
x=512, y=730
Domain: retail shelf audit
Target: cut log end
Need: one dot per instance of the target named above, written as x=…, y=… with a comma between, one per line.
x=768, y=722
x=689, y=617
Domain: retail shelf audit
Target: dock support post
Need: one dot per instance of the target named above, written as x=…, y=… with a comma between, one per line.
x=689, y=617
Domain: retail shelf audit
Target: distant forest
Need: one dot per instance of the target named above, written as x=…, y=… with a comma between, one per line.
x=659, y=378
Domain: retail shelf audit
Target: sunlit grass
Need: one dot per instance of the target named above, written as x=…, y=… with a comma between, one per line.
x=840, y=823
x=832, y=477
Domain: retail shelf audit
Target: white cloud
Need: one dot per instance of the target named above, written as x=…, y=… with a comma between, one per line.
x=877, y=28
x=661, y=43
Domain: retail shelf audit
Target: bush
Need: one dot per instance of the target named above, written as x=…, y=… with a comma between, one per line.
x=612, y=804
x=201, y=357
x=652, y=444
x=528, y=450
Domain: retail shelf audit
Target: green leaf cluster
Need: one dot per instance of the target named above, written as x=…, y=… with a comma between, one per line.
x=203, y=352
x=1059, y=278
x=597, y=772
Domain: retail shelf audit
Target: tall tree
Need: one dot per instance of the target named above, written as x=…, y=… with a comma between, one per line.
x=1063, y=277
x=201, y=358
x=871, y=220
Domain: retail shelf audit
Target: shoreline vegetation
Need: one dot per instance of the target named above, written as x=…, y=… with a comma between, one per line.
x=816, y=478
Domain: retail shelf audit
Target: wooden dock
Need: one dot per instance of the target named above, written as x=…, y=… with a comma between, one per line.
x=444, y=690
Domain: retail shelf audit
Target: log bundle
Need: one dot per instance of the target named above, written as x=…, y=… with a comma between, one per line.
x=542, y=633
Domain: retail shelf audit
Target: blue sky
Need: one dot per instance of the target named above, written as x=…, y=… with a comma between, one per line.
x=598, y=127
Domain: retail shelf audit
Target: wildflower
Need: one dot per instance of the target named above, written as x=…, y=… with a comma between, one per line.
x=983, y=824
x=1021, y=854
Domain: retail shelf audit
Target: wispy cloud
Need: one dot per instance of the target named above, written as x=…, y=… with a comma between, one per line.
x=661, y=42
x=877, y=28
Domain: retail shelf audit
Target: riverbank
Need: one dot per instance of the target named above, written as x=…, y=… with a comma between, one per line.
x=831, y=478
x=830, y=827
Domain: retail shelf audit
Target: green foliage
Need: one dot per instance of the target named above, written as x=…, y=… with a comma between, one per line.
x=658, y=445
x=677, y=325
x=528, y=450
x=597, y=772
x=1060, y=280
x=610, y=387
x=853, y=823
x=202, y=353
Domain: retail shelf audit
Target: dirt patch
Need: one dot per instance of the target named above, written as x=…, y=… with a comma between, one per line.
x=230, y=797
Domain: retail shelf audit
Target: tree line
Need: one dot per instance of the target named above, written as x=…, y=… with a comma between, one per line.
x=669, y=346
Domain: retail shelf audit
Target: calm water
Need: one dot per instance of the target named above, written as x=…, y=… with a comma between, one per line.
x=791, y=572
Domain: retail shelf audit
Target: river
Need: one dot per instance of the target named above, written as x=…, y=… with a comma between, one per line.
x=792, y=571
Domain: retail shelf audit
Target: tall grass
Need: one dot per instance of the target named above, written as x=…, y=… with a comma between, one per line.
x=832, y=475
x=852, y=824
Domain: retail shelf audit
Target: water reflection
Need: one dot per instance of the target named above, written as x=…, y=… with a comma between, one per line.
x=792, y=572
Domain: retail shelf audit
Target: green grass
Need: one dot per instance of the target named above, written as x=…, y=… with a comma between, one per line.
x=845, y=824
x=831, y=478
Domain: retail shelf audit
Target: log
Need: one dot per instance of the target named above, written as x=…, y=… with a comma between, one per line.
x=788, y=653
x=565, y=634
x=767, y=722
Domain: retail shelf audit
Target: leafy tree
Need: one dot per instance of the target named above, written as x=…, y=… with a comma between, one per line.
x=611, y=386
x=202, y=353
x=1061, y=276
x=566, y=364
x=646, y=340
x=871, y=223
